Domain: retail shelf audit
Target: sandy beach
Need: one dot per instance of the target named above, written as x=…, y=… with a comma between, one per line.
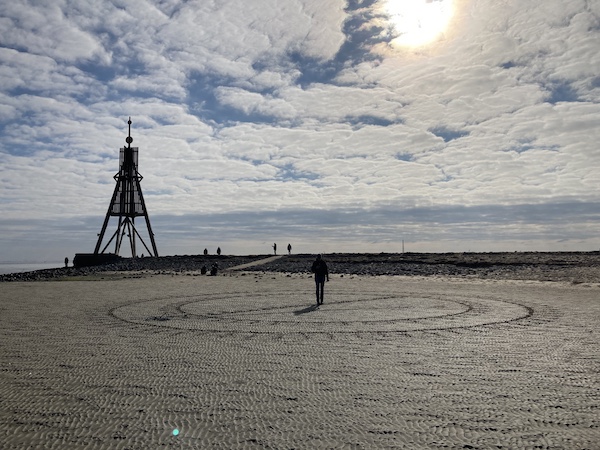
x=247, y=360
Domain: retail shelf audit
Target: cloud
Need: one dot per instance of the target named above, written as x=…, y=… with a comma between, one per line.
x=47, y=30
x=541, y=227
x=253, y=112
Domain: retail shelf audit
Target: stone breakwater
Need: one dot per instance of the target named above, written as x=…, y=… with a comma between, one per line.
x=164, y=265
x=574, y=267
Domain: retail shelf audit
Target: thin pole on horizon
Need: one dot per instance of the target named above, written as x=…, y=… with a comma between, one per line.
x=402, y=245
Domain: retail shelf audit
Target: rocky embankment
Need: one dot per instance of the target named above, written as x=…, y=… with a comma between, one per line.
x=165, y=265
x=574, y=267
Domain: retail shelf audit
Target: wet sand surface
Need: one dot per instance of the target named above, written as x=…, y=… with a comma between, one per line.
x=246, y=360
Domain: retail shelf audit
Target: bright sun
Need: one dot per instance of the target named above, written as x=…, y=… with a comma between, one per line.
x=419, y=22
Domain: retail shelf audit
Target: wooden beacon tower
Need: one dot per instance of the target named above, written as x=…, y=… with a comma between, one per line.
x=126, y=204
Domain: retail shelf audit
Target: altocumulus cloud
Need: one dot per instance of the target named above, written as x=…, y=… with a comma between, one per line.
x=301, y=121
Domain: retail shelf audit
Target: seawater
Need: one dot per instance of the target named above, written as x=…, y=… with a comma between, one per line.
x=27, y=267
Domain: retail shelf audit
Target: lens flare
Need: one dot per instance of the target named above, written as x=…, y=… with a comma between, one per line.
x=419, y=22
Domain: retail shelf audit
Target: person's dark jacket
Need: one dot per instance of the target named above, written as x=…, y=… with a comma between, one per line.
x=319, y=268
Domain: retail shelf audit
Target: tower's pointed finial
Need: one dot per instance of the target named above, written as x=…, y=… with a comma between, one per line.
x=129, y=139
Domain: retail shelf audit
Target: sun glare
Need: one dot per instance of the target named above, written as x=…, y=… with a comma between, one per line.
x=419, y=22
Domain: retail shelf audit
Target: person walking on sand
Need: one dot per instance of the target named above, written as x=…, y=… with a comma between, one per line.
x=319, y=268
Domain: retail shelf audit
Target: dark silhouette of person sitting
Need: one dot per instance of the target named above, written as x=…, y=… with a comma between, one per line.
x=319, y=268
x=214, y=269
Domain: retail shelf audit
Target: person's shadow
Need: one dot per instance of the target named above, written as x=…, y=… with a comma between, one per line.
x=309, y=309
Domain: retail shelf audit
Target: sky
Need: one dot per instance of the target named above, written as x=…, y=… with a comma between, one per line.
x=335, y=126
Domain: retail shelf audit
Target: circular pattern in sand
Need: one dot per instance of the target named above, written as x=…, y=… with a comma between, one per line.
x=343, y=312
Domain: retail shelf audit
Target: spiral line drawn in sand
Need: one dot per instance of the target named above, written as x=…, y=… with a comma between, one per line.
x=344, y=312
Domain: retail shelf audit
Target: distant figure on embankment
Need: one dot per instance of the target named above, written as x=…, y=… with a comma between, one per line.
x=319, y=268
x=289, y=249
x=275, y=249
